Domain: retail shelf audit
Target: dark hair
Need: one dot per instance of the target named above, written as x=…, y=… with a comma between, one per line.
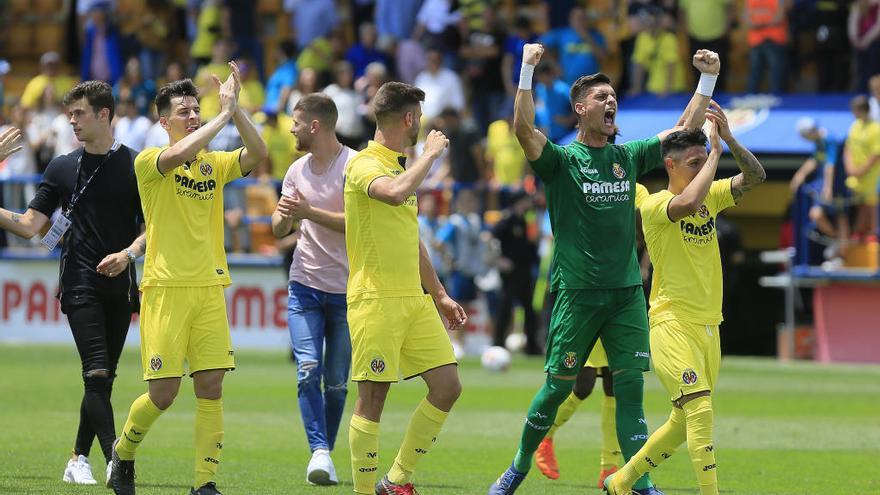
x=584, y=83
x=319, y=106
x=682, y=140
x=288, y=48
x=99, y=94
x=184, y=87
x=394, y=98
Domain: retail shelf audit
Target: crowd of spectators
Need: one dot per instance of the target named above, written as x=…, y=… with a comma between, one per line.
x=465, y=55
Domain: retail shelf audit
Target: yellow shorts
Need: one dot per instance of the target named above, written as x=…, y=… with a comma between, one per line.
x=184, y=323
x=597, y=358
x=686, y=356
x=864, y=189
x=396, y=336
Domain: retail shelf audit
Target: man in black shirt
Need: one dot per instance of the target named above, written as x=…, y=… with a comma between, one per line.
x=95, y=188
x=519, y=256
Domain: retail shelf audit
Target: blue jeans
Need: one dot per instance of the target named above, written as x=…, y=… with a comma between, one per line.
x=322, y=348
x=767, y=56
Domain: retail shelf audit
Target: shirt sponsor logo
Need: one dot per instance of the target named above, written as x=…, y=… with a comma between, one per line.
x=698, y=234
x=195, y=189
x=606, y=192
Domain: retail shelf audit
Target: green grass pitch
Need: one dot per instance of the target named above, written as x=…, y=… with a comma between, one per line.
x=780, y=429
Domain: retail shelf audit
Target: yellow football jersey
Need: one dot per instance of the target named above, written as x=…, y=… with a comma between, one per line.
x=641, y=194
x=183, y=210
x=382, y=240
x=687, y=283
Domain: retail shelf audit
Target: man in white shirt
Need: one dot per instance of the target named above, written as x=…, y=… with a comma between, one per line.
x=442, y=87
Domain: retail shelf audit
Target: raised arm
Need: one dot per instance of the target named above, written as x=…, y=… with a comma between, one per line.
x=709, y=65
x=451, y=311
x=255, y=150
x=530, y=138
x=690, y=200
x=186, y=148
x=10, y=142
x=394, y=191
x=751, y=172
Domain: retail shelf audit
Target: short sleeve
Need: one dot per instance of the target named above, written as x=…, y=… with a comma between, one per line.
x=48, y=195
x=646, y=154
x=231, y=161
x=362, y=171
x=720, y=195
x=654, y=208
x=288, y=184
x=641, y=195
x=547, y=164
x=146, y=166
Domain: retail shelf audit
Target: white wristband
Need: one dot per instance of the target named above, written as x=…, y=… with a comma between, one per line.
x=525, y=76
x=707, y=84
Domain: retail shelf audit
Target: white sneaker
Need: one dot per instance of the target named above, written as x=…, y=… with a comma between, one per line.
x=109, y=472
x=321, y=470
x=79, y=472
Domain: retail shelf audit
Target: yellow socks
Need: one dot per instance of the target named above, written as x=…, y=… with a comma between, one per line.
x=209, y=439
x=420, y=436
x=610, y=455
x=363, y=440
x=564, y=413
x=141, y=416
x=658, y=448
x=699, y=440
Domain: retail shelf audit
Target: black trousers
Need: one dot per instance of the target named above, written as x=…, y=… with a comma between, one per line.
x=517, y=286
x=99, y=326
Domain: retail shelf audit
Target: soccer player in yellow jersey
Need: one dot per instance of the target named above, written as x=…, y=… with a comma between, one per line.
x=861, y=157
x=395, y=327
x=679, y=225
x=183, y=315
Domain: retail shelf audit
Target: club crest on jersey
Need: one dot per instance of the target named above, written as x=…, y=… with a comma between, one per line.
x=689, y=377
x=703, y=212
x=570, y=360
x=618, y=171
x=156, y=362
x=206, y=169
x=377, y=366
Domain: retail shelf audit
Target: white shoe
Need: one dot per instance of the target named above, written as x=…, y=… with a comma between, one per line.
x=109, y=472
x=79, y=472
x=321, y=470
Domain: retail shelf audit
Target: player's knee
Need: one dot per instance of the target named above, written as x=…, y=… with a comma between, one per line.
x=163, y=399
x=336, y=389
x=582, y=390
x=97, y=381
x=696, y=402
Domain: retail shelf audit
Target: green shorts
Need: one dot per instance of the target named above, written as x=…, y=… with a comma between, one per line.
x=581, y=316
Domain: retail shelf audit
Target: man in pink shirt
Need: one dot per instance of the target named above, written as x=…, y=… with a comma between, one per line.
x=311, y=200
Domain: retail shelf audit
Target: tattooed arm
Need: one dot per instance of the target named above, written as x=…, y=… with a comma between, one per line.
x=27, y=224
x=751, y=172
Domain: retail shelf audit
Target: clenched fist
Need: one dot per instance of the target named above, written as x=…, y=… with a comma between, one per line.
x=707, y=62
x=532, y=53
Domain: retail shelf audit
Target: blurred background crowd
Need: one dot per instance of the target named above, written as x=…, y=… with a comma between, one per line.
x=481, y=210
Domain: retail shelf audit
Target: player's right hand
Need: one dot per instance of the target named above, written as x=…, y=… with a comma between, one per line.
x=10, y=142
x=716, y=114
x=435, y=143
x=228, y=93
x=714, y=139
x=532, y=53
x=286, y=206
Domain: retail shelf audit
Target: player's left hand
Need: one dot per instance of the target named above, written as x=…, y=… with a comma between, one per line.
x=452, y=313
x=707, y=62
x=236, y=77
x=113, y=264
x=300, y=208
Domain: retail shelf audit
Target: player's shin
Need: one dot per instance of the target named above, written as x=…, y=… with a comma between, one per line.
x=540, y=418
x=363, y=439
x=141, y=416
x=609, y=456
x=208, y=439
x=659, y=447
x=632, y=428
x=564, y=413
x=420, y=436
x=699, y=440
